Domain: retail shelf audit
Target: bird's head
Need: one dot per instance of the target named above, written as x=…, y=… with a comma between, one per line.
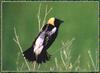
x=54, y=22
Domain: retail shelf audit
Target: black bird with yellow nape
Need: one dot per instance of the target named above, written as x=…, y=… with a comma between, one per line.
x=38, y=51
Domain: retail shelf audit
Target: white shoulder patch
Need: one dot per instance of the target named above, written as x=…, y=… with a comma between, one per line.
x=53, y=31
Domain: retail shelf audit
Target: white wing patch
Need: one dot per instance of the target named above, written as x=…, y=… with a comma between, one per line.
x=53, y=31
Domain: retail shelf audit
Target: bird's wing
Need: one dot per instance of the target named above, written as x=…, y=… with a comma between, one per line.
x=49, y=39
x=46, y=40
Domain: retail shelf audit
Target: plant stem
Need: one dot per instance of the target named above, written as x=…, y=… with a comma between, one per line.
x=63, y=60
x=16, y=39
x=38, y=16
x=89, y=53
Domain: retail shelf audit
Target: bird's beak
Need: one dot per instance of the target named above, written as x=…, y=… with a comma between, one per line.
x=61, y=21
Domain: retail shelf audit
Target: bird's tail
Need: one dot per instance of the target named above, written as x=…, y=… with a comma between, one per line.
x=29, y=55
x=42, y=57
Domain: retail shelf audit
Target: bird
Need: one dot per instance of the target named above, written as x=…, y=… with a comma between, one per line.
x=38, y=50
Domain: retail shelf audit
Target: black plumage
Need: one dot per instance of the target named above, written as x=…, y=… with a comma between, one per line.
x=48, y=39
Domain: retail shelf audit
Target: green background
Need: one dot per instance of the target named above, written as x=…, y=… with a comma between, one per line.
x=80, y=22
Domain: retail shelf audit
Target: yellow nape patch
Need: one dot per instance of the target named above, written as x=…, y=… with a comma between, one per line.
x=51, y=21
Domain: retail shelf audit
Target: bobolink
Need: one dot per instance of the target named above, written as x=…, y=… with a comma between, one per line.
x=38, y=51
